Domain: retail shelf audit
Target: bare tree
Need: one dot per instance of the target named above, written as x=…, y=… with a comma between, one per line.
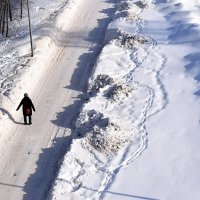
x=6, y=16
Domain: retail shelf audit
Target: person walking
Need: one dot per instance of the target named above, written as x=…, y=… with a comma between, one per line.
x=27, y=106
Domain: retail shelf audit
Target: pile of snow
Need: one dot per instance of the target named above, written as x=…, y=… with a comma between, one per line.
x=123, y=5
x=100, y=133
x=130, y=10
x=119, y=92
x=100, y=81
x=113, y=89
x=131, y=41
x=143, y=4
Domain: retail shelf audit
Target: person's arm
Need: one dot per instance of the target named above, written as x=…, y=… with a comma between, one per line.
x=19, y=105
x=32, y=106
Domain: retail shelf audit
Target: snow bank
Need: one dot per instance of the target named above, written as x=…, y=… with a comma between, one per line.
x=110, y=131
x=100, y=133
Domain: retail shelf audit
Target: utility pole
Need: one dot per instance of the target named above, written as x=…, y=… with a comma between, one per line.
x=29, y=22
x=9, y=8
x=21, y=9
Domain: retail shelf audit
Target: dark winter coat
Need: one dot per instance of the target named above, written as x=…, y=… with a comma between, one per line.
x=27, y=106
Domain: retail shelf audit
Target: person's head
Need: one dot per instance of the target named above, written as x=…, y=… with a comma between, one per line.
x=25, y=95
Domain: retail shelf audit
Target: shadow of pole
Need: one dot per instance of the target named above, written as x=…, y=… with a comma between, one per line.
x=193, y=65
x=10, y=185
x=113, y=193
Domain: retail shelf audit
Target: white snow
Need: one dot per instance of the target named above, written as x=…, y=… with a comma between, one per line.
x=137, y=133
x=140, y=141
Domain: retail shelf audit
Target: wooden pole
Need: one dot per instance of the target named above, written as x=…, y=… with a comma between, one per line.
x=3, y=21
x=9, y=8
x=1, y=15
x=7, y=16
x=21, y=8
x=29, y=21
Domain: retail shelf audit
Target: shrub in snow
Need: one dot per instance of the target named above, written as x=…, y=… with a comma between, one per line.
x=142, y=4
x=107, y=141
x=87, y=120
x=131, y=16
x=100, y=134
x=99, y=82
x=123, y=5
x=119, y=92
x=121, y=14
x=130, y=42
x=124, y=8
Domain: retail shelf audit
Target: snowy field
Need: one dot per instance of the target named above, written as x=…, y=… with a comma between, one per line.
x=137, y=135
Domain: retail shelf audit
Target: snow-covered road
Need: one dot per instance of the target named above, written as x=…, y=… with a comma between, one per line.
x=29, y=154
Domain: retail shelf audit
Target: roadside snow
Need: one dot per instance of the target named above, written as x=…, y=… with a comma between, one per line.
x=140, y=121
x=111, y=122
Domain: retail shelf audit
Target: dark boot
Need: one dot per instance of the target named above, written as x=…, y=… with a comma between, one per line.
x=30, y=121
x=25, y=121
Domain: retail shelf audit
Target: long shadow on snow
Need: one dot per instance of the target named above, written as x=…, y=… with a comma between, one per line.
x=87, y=60
x=49, y=158
x=39, y=183
x=183, y=31
x=193, y=65
x=114, y=193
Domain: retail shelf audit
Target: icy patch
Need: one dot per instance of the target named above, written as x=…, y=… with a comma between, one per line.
x=100, y=133
x=100, y=81
x=119, y=92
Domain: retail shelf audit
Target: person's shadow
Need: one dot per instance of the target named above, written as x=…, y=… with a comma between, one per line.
x=5, y=112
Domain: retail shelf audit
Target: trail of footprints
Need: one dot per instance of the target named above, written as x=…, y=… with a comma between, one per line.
x=130, y=43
